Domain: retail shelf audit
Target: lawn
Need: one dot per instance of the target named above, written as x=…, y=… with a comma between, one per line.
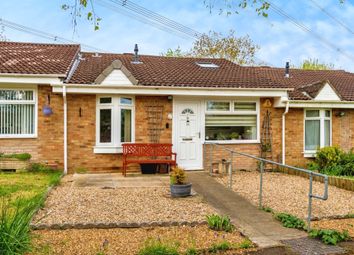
x=20, y=195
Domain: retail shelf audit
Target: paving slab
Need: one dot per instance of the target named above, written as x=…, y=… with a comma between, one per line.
x=112, y=180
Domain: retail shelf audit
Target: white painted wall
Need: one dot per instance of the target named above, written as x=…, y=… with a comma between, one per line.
x=327, y=94
x=116, y=77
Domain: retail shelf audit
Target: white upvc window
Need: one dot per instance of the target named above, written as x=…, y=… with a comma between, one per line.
x=232, y=121
x=317, y=130
x=18, y=113
x=114, y=123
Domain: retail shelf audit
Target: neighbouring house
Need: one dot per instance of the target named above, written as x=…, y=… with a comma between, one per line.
x=74, y=109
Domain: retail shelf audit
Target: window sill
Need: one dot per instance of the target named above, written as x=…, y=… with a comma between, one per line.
x=309, y=154
x=17, y=136
x=107, y=150
x=233, y=141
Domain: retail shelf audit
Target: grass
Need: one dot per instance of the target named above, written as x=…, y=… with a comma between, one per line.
x=20, y=195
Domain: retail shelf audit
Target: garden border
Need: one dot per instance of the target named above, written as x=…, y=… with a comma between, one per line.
x=102, y=225
x=338, y=182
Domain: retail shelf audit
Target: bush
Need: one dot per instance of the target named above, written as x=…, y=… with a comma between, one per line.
x=14, y=226
x=156, y=247
x=178, y=176
x=38, y=167
x=329, y=236
x=290, y=221
x=333, y=161
x=220, y=223
x=19, y=156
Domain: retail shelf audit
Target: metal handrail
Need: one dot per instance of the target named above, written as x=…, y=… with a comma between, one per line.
x=262, y=161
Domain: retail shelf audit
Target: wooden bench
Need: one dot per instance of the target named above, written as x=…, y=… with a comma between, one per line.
x=159, y=153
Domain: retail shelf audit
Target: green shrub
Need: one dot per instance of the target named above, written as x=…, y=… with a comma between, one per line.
x=14, y=225
x=156, y=247
x=267, y=209
x=38, y=167
x=220, y=223
x=333, y=161
x=328, y=156
x=290, y=221
x=245, y=244
x=222, y=246
x=19, y=156
x=329, y=236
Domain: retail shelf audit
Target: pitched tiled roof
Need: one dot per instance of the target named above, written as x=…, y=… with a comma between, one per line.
x=341, y=81
x=171, y=71
x=35, y=58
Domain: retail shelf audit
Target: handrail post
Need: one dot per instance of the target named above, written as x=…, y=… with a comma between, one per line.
x=230, y=170
x=310, y=205
x=211, y=159
x=260, y=196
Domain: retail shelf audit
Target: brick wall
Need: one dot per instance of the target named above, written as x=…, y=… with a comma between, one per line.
x=48, y=146
x=82, y=132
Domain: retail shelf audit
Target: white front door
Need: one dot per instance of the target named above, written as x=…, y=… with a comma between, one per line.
x=188, y=135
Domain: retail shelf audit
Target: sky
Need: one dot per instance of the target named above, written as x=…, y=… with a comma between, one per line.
x=279, y=39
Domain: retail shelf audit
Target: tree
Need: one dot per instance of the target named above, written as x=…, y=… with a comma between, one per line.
x=315, y=64
x=240, y=50
x=174, y=53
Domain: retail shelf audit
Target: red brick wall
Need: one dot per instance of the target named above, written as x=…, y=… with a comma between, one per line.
x=48, y=146
x=82, y=132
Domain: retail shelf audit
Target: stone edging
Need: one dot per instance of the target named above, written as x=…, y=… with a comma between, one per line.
x=116, y=225
x=339, y=182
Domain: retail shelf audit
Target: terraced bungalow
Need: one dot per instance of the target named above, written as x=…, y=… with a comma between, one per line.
x=74, y=109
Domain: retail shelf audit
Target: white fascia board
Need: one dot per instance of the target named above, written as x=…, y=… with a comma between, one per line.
x=173, y=91
x=29, y=79
x=314, y=104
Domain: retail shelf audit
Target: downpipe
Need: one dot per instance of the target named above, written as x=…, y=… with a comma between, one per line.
x=283, y=132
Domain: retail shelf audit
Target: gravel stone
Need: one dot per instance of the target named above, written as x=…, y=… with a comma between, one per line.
x=289, y=193
x=67, y=204
x=126, y=241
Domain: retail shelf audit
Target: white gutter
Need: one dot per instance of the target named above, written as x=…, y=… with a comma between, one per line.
x=283, y=131
x=65, y=131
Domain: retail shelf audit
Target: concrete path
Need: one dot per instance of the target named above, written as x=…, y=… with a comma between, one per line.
x=116, y=180
x=258, y=225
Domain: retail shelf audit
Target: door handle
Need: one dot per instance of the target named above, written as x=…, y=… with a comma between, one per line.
x=199, y=135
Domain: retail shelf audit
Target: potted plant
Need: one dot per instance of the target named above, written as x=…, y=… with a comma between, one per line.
x=234, y=136
x=14, y=162
x=179, y=187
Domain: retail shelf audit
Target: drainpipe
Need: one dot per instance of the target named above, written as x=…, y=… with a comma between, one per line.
x=283, y=131
x=65, y=131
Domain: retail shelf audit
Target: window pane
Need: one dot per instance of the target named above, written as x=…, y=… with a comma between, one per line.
x=16, y=95
x=126, y=100
x=312, y=134
x=126, y=125
x=328, y=113
x=17, y=119
x=105, y=100
x=218, y=106
x=231, y=127
x=105, y=125
x=312, y=113
x=327, y=133
x=244, y=106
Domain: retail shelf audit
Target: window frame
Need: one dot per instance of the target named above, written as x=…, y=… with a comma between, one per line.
x=115, y=146
x=232, y=111
x=34, y=102
x=322, y=117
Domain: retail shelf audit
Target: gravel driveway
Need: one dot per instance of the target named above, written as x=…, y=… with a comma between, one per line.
x=288, y=193
x=72, y=204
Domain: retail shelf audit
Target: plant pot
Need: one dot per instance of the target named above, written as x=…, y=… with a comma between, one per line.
x=181, y=190
x=148, y=168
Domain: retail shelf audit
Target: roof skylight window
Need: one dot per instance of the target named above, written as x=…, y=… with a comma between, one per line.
x=207, y=64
